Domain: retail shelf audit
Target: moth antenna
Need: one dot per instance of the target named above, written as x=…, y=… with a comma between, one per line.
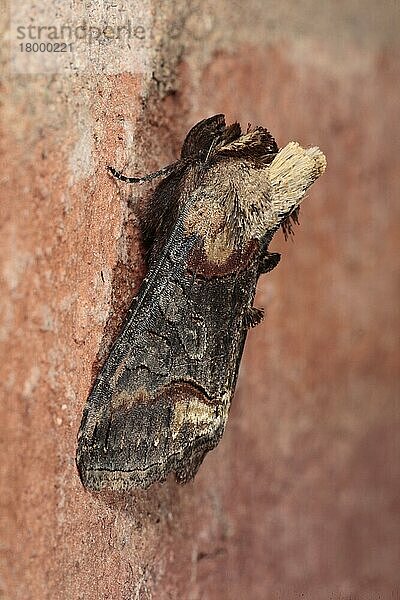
x=161, y=172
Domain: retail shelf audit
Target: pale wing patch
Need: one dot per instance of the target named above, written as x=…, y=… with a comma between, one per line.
x=202, y=417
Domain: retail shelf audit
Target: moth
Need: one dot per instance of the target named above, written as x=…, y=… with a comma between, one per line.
x=162, y=398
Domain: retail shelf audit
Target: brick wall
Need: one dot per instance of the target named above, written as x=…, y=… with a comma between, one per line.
x=301, y=496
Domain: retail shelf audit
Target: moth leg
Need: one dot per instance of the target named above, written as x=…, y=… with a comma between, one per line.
x=268, y=262
x=253, y=316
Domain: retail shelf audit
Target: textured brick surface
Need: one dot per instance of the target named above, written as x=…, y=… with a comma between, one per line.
x=302, y=495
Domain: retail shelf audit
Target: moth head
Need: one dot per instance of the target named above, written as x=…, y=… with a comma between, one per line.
x=249, y=190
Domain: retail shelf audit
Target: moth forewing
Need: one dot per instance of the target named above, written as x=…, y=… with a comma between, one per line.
x=161, y=400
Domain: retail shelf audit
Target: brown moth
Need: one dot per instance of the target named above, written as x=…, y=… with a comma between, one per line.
x=162, y=398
